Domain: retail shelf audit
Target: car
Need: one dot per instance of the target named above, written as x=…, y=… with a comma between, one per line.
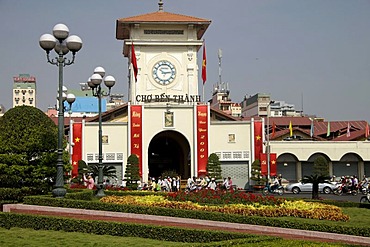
x=296, y=188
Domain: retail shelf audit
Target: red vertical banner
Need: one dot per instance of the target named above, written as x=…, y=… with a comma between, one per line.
x=204, y=65
x=136, y=134
x=202, y=138
x=77, y=147
x=273, y=164
x=257, y=139
x=263, y=158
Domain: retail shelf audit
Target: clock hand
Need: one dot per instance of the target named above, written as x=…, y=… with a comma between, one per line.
x=164, y=72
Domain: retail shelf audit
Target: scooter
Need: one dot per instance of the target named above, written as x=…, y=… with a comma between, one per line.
x=365, y=199
x=363, y=188
x=268, y=190
x=341, y=189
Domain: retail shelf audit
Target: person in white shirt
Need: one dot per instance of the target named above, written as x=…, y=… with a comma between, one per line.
x=212, y=184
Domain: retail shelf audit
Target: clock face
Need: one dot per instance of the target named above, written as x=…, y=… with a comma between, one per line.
x=164, y=72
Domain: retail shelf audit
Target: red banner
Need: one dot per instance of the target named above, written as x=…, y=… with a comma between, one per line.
x=264, y=168
x=273, y=164
x=257, y=139
x=77, y=147
x=202, y=138
x=136, y=134
x=263, y=159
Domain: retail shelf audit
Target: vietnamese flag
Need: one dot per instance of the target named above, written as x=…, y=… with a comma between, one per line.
x=263, y=158
x=273, y=164
x=77, y=147
x=257, y=139
x=273, y=130
x=134, y=61
x=204, y=64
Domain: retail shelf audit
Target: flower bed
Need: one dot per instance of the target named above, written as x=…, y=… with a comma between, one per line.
x=223, y=197
x=299, y=209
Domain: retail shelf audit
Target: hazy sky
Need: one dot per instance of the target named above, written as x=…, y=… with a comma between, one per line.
x=310, y=53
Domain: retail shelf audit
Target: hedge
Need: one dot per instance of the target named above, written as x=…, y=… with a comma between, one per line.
x=193, y=214
x=37, y=222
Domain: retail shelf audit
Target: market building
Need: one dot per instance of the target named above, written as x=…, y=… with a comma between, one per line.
x=169, y=125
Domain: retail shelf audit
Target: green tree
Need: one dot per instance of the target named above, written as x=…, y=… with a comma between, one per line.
x=256, y=175
x=132, y=174
x=214, y=167
x=320, y=175
x=108, y=171
x=28, y=145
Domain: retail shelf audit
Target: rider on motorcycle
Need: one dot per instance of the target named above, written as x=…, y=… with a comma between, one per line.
x=275, y=184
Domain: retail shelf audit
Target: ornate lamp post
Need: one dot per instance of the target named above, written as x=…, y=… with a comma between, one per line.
x=62, y=43
x=94, y=83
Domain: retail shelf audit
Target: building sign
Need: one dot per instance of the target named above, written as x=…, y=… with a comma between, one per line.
x=202, y=138
x=168, y=119
x=24, y=78
x=136, y=128
x=178, y=98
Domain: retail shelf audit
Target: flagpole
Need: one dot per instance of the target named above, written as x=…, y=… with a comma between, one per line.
x=203, y=93
x=204, y=68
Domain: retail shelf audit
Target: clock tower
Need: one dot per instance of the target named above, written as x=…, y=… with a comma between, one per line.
x=165, y=46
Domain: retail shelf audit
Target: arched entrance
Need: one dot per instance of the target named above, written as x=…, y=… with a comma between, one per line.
x=169, y=151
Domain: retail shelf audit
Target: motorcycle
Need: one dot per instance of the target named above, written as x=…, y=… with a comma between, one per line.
x=268, y=190
x=363, y=188
x=342, y=189
x=365, y=199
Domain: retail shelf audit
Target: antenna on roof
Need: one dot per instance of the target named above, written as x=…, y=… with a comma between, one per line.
x=160, y=4
x=219, y=65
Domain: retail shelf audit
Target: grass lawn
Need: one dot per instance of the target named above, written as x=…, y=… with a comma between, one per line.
x=359, y=217
x=16, y=237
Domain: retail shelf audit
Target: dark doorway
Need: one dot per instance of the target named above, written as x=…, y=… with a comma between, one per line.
x=169, y=151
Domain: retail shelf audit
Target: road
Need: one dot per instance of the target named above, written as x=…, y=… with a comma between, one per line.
x=330, y=196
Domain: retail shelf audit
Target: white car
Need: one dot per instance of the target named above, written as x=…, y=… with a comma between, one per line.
x=296, y=188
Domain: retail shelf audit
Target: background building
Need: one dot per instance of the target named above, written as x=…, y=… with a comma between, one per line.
x=24, y=90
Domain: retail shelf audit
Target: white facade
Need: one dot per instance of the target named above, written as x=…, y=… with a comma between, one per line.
x=170, y=136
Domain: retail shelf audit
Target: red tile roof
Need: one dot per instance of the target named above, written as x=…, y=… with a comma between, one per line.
x=163, y=16
x=123, y=25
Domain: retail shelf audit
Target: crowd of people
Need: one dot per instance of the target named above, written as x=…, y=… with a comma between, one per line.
x=194, y=183
x=351, y=183
x=173, y=184
x=162, y=184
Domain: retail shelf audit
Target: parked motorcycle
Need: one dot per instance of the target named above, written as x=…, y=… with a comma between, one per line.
x=268, y=190
x=341, y=189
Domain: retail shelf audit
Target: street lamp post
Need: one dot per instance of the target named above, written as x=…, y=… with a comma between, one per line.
x=268, y=140
x=62, y=43
x=94, y=83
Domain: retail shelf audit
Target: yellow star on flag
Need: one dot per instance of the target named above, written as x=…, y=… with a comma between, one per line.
x=258, y=138
x=77, y=139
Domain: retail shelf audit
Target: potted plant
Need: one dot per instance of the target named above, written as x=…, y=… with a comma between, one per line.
x=258, y=181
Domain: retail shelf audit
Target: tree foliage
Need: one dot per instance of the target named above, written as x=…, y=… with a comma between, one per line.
x=93, y=170
x=28, y=144
x=132, y=173
x=214, y=167
x=256, y=175
x=320, y=175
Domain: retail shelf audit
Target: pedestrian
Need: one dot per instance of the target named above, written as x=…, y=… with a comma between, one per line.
x=89, y=181
x=212, y=184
